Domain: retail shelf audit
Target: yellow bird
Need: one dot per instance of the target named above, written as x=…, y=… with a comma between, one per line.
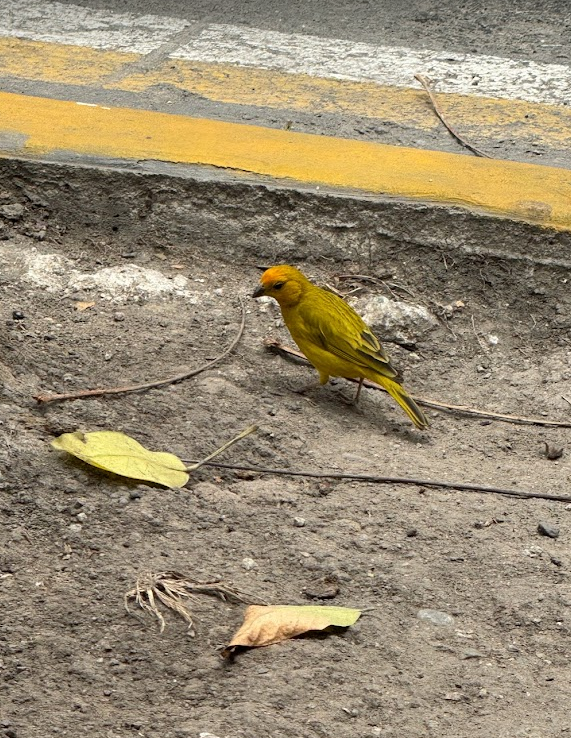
x=332, y=336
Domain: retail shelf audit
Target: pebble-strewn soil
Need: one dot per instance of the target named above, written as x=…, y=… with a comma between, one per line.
x=73, y=540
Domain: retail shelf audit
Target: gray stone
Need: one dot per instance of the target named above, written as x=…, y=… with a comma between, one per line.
x=395, y=320
x=14, y=211
x=547, y=529
x=436, y=617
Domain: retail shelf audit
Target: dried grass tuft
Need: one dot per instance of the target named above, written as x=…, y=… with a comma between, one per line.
x=175, y=591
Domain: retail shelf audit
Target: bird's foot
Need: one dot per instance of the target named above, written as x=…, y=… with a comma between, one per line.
x=349, y=400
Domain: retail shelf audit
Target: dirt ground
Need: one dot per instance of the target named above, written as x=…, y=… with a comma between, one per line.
x=73, y=540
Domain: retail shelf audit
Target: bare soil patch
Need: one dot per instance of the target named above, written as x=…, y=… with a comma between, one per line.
x=73, y=541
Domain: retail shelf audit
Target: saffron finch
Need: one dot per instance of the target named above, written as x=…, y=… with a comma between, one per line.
x=332, y=336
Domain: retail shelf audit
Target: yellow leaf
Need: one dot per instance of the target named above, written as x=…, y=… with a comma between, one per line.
x=121, y=454
x=81, y=306
x=263, y=625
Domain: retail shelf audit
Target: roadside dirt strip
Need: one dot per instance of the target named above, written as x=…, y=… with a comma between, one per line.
x=150, y=167
x=321, y=112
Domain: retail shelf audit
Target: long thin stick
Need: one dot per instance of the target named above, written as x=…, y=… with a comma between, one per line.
x=424, y=82
x=280, y=348
x=45, y=398
x=243, y=434
x=376, y=479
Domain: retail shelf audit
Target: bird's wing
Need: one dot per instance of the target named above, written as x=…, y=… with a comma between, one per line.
x=339, y=330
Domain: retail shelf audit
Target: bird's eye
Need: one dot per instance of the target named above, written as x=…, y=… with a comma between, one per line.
x=278, y=285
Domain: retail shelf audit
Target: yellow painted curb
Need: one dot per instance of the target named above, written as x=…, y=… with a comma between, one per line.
x=481, y=119
x=524, y=191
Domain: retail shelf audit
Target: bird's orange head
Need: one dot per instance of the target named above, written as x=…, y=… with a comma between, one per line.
x=284, y=283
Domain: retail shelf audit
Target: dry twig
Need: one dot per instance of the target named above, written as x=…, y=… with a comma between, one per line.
x=250, y=429
x=425, y=83
x=378, y=479
x=287, y=351
x=45, y=398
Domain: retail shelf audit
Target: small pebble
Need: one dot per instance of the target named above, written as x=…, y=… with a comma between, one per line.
x=547, y=529
x=248, y=564
x=14, y=211
x=411, y=533
x=436, y=617
x=553, y=452
x=471, y=653
x=299, y=522
x=135, y=494
x=324, y=589
x=76, y=527
x=453, y=696
x=18, y=315
x=118, y=317
x=81, y=516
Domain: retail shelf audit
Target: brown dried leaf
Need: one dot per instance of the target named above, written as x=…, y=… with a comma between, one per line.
x=263, y=626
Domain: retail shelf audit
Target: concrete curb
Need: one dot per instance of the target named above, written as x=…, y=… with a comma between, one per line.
x=33, y=126
x=255, y=220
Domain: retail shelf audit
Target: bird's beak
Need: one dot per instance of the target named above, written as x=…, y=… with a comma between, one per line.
x=260, y=291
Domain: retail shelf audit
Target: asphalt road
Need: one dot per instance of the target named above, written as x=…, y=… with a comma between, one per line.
x=519, y=29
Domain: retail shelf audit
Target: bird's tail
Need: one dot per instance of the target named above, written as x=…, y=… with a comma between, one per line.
x=397, y=392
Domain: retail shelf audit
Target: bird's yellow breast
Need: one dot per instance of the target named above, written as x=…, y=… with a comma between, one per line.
x=311, y=343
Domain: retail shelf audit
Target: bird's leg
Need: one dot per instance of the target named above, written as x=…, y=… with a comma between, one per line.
x=352, y=400
x=356, y=400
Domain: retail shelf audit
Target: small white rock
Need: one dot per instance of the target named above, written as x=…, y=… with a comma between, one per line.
x=395, y=320
x=436, y=617
x=248, y=564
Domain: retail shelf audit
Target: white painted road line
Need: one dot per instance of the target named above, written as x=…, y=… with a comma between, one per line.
x=466, y=74
x=57, y=23
x=485, y=76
